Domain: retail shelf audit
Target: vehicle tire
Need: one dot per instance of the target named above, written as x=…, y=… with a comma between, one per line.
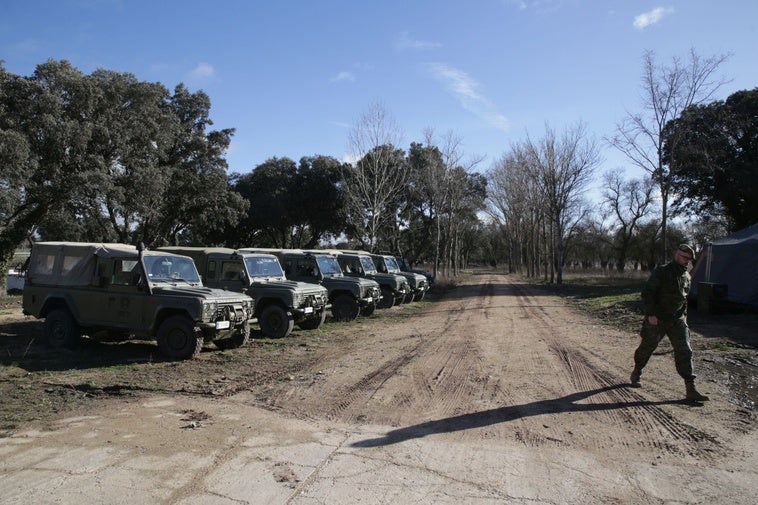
x=275, y=322
x=419, y=296
x=408, y=297
x=368, y=310
x=388, y=298
x=314, y=323
x=61, y=331
x=345, y=308
x=239, y=338
x=178, y=338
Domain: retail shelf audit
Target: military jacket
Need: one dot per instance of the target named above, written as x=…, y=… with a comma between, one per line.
x=665, y=292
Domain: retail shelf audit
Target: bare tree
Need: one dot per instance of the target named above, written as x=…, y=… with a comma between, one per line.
x=629, y=201
x=563, y=168
x=371, y=185
x=667, y=91
x=447, y=185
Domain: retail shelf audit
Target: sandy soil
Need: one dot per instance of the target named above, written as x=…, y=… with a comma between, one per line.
x=497, y=393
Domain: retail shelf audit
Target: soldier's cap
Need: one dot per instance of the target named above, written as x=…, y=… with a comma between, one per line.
x=688, y=249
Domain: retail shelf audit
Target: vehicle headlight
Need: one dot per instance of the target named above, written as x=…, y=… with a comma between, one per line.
x=298, y=299
x=209, y=310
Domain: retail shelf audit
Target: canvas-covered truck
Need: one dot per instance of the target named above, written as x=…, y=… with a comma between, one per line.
x=349, y=296
x=122, y=290
x=359, y=264
x=280, y=304
x=419, y=284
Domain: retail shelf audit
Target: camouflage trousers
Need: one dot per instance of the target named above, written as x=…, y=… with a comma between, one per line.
x=679, y=335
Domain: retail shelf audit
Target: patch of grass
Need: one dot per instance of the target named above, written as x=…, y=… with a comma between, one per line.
x=615, y=300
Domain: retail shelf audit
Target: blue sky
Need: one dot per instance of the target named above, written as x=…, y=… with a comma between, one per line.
x=292, y=77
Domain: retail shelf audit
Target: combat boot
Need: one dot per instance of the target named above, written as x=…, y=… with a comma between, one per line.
x=634, y=379
x=693, y=395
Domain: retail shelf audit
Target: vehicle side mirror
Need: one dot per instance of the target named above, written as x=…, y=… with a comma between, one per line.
x=243, y=277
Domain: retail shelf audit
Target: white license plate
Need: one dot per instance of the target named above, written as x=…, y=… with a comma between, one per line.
x=223, y=325
x=309, y=310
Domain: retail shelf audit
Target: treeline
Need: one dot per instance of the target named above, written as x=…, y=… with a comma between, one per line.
x=105, y=157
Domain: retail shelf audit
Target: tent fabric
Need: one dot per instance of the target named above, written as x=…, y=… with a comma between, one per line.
x=731, y=261
x=74, y=263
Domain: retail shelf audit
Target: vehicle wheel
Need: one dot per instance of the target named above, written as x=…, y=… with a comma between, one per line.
x=275, y=322
x=408, y=297
x=368, y=310
x=239, y=338
x=313, y=323
x=388, y=298
x=179, y=339
x=419, y=296
x=345, y=308
x=61, y=331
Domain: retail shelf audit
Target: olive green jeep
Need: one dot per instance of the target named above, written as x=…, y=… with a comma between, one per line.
x=395, y=288
x=349, y=296
x=279, y=303
x=126, y=291
x=419, y=284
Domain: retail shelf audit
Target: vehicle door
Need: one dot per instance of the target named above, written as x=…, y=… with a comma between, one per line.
x=125, y=296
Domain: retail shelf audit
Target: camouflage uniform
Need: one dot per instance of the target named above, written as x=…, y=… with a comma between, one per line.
x=664, y=299
x=665, y=296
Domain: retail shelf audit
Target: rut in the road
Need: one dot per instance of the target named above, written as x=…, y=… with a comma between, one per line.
x=502, y=361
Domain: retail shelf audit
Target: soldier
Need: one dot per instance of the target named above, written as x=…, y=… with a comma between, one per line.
x=664, y=300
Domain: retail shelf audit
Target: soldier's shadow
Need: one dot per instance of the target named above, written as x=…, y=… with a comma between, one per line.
x=481, y=419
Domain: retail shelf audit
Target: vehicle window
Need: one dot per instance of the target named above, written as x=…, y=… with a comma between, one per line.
x=367, y=264
x=125, y=273
x=392, y=265
x=230, y=270
x=264, y=267
x=329, y=265
x=171, y=268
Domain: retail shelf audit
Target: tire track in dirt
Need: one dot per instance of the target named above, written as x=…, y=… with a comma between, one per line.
x=650, y=425
x=422, y=369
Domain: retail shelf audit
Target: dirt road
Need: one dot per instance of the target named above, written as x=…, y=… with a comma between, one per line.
x=498, y=393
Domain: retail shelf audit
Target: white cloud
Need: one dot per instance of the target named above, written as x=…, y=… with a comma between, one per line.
x=652, y=17
x=203, y=71
x=462, y=86
x=343, y=76
x=405, y=41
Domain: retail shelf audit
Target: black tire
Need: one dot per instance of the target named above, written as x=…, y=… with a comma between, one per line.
x=275, y=322
x=368, y=310
x=313, y=323
x=388, y=299
x=408, y=297
x=178, y=338
x=419, y=296
x=61, y=331
x=239, y=338
x=345, y=308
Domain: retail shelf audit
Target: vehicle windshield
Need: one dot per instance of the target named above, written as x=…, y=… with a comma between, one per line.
x=392, y=265
x=170, y=269
x=368, y=265
x=263, y=266
x=328, y=265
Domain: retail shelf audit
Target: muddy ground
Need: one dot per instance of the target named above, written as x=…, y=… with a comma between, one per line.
x=498, y=391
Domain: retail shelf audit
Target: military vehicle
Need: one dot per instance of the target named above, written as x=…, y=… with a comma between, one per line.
x=349, y=296
x=279, y=303
x=386, y=263
x=359, y=264
x=126, y=291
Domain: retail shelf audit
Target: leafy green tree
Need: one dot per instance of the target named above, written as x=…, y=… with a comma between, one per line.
x=271, y=217
x=319, y=200
x=713, y=153
x=49, y=164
